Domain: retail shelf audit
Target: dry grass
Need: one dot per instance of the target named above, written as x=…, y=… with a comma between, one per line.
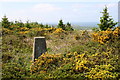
x=64, y=42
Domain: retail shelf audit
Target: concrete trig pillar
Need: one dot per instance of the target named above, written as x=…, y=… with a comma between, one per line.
x=39, y=47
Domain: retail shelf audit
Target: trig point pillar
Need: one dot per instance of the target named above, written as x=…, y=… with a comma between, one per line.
x=119, y=13
x=39, y=47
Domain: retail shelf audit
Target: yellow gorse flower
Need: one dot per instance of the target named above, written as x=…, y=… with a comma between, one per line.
x=105, y=36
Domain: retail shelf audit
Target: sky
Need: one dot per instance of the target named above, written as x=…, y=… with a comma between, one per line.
x=51, y=11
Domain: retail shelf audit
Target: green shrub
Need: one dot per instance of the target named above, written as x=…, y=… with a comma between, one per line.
x=14, y=70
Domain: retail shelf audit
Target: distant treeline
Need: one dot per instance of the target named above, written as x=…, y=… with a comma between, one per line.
x=7, y=24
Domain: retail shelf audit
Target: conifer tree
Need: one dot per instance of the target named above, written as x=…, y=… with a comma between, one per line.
x=5, y=22
x=68, y=27
x=68, y=24
x=19, y=23
x=27, y=24
x=41, y=25
x=106, y=21
x=61, y=25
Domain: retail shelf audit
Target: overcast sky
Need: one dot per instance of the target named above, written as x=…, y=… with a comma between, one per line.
x=51, y=11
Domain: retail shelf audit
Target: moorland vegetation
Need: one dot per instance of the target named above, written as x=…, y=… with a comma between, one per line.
x=71, y=54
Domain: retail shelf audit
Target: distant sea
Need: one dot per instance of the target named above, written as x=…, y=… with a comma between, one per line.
x=85, y=25
x=82, y=25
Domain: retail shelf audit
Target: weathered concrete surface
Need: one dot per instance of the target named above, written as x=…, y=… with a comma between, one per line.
x=39, y=47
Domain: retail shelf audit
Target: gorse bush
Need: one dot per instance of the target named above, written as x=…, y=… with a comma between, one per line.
x=102, y=72
x=79, y=66
x=107, y=36
x=45, y=62
x=14, y=70
x=32, y=32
